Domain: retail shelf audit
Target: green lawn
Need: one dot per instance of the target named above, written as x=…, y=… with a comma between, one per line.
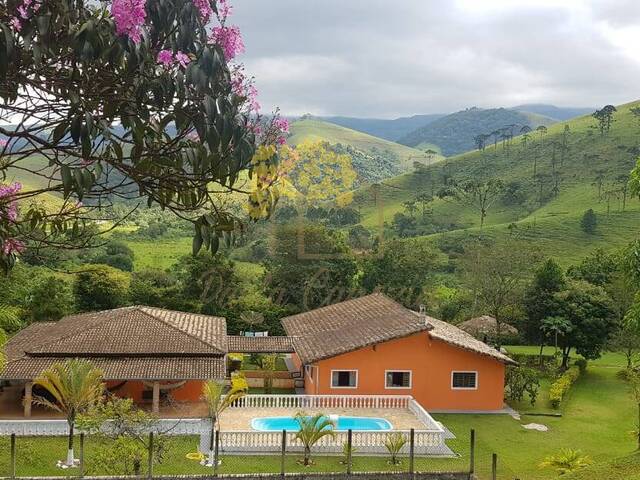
x=596, y=418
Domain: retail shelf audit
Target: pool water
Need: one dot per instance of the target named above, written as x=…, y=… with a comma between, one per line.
x=273, y=424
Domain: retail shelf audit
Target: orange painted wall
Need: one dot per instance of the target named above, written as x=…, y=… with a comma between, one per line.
x=431, y=362
x=189, y=392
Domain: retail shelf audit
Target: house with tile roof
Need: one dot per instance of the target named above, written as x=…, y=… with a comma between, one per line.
x=373, y=345
x=369, y=345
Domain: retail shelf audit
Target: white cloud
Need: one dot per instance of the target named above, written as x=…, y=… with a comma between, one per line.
x=380, y=58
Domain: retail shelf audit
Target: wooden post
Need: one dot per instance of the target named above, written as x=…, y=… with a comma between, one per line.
x=349, y=450
x=283, y=453
x=28, y=398
x=494, y=466
x=13, y=455
x=216, y=453
x=81, y=454
x=412, y=444
x=150, y=468
x=155, y=408
x=472, y=453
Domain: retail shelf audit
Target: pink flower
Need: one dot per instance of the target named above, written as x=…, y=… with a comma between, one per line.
x=11, y=245
x=165, y=57
x=224, y=9
x=252, y=98
x=229, y=39
x=281, y=124
x=281, y=140
x=8, y=204
x=204, y=7
x=129, y=16
x=182, y=58
x=3, y=143
x=16, y=24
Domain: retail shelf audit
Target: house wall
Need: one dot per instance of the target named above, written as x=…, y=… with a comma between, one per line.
x=431, y=362
x=191, y=391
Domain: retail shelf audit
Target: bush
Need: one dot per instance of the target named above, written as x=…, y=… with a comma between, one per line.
x=562, y=385
x=589, y=222
x=581, y=363
x=521, y=380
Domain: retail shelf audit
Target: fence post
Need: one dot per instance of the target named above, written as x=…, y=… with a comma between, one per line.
x=412, y=443
x=472, y=453
x=81, y=454
x=349, y=451
x=494, y=466
x=284, y=451
x=216, y=453
x=13, y=455
x=150, y=468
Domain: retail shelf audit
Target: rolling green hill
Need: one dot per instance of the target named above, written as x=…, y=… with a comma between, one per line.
x=389, y=129
x=532, y=209
x=373, y=158
x=454, y=133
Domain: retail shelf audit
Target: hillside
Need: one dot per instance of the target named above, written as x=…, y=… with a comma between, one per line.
x=551, y=111
x=373, y=158
x=454, y=133
x=531, y=207
x=389, y=129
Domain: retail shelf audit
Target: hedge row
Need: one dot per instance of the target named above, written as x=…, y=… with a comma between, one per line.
x=562, y=385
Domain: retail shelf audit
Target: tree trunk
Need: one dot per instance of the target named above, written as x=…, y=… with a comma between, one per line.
x=307, y=456
x=565, y=358
x=70, y=458
x=212, y=453
x=541, y=352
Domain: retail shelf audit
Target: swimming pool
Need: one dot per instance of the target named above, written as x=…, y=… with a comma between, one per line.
x=274, y=424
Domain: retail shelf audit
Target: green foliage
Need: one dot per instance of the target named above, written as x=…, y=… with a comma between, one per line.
x=394, y=443
x=582, y=364
x=312, y=429
x=521, y=380
x=560, y=387
x=51, y=299
x=589, y=222
x=597, y=268
x=309, y=267
x=539, y=301
x=125, y=448
x=589, y=310
x=153, y=287
x=10, y=320
x=566, y=461
x=400, y=268
x=100, y=287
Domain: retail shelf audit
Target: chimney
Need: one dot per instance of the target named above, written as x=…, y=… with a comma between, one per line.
x=423, y=314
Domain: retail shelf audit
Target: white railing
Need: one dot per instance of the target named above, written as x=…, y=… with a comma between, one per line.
x=425, y=442
x=302, y=402
x=53, y=428
x=422, y=415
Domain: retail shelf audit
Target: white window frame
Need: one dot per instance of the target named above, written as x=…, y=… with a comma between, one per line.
x=410, y=372
x=308, y=372
x=475, y=372
x=343, y=370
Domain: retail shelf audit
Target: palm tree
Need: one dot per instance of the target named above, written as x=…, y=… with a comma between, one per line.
x=394, y=443
x=312, y=429
x=76, y=385
x=566, y=461
x=217, y=402
x=556, y=326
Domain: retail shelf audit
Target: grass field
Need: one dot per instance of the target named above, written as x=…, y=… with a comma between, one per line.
x=318, y=130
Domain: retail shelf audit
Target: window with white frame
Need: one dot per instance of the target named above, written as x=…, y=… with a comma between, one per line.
x=464, y=380
x=344, y=378
x=397, y=379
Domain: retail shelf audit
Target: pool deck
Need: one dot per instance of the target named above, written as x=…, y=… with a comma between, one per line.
x=240, y=419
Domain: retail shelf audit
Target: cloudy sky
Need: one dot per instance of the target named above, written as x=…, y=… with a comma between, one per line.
x=402, y=57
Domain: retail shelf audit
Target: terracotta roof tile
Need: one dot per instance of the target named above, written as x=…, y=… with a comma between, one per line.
x=241, y=344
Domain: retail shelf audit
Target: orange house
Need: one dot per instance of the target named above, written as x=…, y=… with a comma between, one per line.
x=373, y=345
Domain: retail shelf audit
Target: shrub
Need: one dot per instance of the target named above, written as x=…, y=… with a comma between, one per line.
x=589, y=222
x=521, y=380
x=581, y=363
x=561, y=386
x=566, y=461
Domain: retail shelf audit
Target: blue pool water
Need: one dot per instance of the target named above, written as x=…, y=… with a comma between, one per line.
x=273, y=424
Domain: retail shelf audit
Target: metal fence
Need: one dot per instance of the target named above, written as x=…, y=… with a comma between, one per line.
x=34, y=457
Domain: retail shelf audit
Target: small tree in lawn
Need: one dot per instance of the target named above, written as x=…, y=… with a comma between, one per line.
x=555, y=327
x=566, y=461
x=394, y=444
x=312, y=429
x=127, y=434
x=217, y=402
x=76, y=385
x=269, y=366
x=589, y=222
